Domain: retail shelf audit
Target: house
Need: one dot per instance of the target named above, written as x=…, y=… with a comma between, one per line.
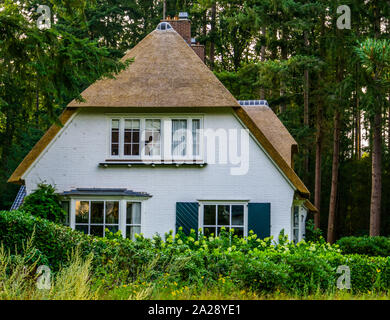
x=165, y=145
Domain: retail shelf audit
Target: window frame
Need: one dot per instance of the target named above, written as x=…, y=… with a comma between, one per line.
x=165, y=137
x=230, y=203
x=189, y=144
x=132, y=224
x=302, y=214
x=104, y=225
x=122, y=209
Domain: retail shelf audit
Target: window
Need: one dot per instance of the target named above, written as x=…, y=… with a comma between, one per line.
x=296, y=224
x=93, y=217
x=135, y=138
x=196, y=137
x=179, y=137
x=131, y=137
x=115, y=137
x=181, y=143
x=216, y=216
x=133, y=219
x=152, y=137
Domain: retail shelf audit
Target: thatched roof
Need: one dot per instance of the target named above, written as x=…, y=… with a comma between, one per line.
x=274, y=130
x=166, y=72
x=259, y=132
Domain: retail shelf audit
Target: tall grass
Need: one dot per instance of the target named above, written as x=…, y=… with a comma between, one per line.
x=18, y=278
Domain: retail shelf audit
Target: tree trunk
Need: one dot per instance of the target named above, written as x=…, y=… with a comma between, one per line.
x=335, y=176
x=212, y=32
x=376, y=178
x=306, y=85
x=317, y=179
x=284, y=54
x=376, y=167
x=262, y=59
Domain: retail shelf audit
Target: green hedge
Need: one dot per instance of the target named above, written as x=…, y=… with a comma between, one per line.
x=260, y=265
x=371, y=246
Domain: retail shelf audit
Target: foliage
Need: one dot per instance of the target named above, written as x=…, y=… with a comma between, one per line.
x=45, y=203
x=371, y=246
x=180, y=263
x=313, y=234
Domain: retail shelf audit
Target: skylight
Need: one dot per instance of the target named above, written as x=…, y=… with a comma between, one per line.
x=164, y=26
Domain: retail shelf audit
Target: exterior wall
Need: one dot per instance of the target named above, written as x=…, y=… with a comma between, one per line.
x=71, y=161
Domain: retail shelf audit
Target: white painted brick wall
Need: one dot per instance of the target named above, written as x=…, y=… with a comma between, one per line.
x=72, y=162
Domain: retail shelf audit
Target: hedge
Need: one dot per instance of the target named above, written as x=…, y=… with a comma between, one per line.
x=371, y=246
x=261, y=265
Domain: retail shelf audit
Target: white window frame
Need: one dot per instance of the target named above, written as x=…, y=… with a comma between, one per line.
x=189, y=145
x=223, y=203
x=104, y=225
x=132, y=224
x=165, y=136
x=302, y=213
x=122, y=208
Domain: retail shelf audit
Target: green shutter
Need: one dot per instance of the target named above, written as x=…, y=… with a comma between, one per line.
x=187, y=216
x=259, y=219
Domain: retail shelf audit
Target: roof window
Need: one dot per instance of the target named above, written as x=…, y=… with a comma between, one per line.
x=164, y=26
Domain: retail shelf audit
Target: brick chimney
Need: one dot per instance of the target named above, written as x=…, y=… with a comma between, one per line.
x=182, y=26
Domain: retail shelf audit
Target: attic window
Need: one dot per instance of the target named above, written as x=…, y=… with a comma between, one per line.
x=164, y=26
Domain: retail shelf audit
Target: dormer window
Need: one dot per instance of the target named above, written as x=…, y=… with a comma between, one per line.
x=164, y=26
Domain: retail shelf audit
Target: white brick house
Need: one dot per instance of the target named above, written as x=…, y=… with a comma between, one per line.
x=138, y=153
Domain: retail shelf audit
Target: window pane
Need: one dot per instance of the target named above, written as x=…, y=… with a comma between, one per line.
x=132, y=128
x=225, y=230
x=238, y=215
x=179, y=137
x=113, y=229
x=223, y=215
x=115, y=137
x=238, y=231
x=295, y=235
x=195, y=137
x=131, y=231
x=133, y=213
x=112, y=212
x=97, y=211
x=296, y=221
x=96, y=231
x=114, y=149
x=209, y=215
x=115, y=124
x=82, y=211
x=82, y=228
x=152, y=137
x=208, y=231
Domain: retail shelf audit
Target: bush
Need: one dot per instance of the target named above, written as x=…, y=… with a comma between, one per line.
x=195, y=260
x=371, y=246
x=44, y=203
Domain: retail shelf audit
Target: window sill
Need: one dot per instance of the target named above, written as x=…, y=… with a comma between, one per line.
x=152, y=163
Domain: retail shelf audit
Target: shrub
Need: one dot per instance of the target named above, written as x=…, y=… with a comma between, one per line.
x=44, y=203
x=312, y=233
x=196, y=260
x=371, y=246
